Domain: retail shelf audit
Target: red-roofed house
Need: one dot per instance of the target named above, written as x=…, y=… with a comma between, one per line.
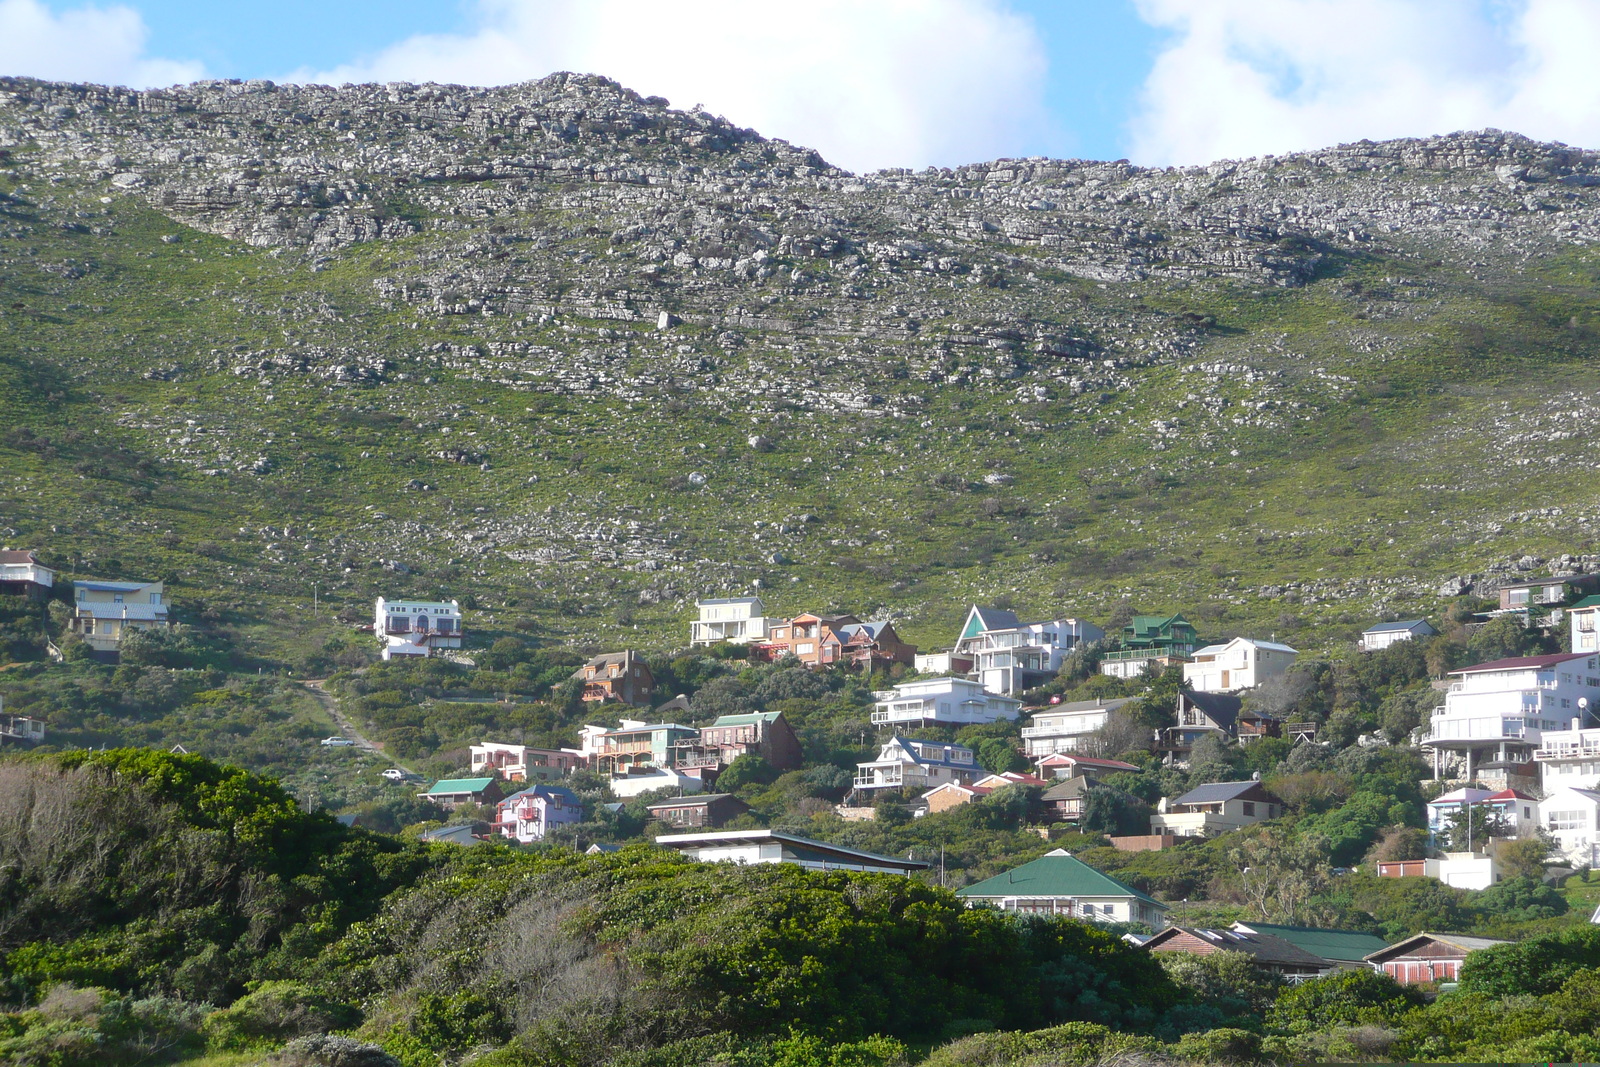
x=1067, y=765
x=20, y=572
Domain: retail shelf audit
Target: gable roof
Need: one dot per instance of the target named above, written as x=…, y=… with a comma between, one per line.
x=619, y=658
x=1083, y=705
x=23, y=556
x=1263, y=947
x=1456, y=941
x=1055, y=874
x=1067, y=788
x=982, y=620
x=1068, y=759
x=905, y=745
x=749, y=719
x=801, y=849
x=1342, y=946
x=1391, y=627
x=677, y=703
x=1221, y=708
x=1535, y=663
x=1591, y=601
x=459, y=785
x=546, y=791
x=1218, y=792
x=695, y=801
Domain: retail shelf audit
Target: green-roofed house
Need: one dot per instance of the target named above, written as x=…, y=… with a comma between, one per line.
x=1157, y=641
x=449, y=792
x=1585, y=621
x=1059, y=884
x=1342, y=948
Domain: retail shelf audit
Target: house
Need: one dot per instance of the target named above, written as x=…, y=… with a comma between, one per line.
x=1058, y=884
x=1427, y=957
x=1508, y=812
x=955, y=794
x=104, y=612
x=765, y=733
x=980, y=621
x=1063, y=801
x=908, y=763
x=449, y=793
x=1242, y=663
x=954, y=701
x=20, y=729
x=623, y=677
x=1569, y=757
x=1198, y=714
x=872, y=646
x=1543, y=601
x=464, y=834
x=1384, y=634
x=1207, y=810
x=1344, y=949
x=532, y=814
x=638, y=744
x=1581, y=618
x=774, y=846
x=1063, y=727
x=1010, y=660
x=1150, y=642
x=697, y=812
x=814, y=640
x=1571, y=816
x=601, y=848
x=22, y=574
x=946, y=662
x=417, y=627
x=1494, y=714
x=1270, y=953
x=740, y=620
x=519, y=763
x=1461, y=870
x=649, y=780
x=1070, y=765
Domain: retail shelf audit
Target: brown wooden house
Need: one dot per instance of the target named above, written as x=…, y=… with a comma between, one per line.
x=619, y=676
x=1271, y=954
x=763, y=733
x=702, y=811
x=1428, y=957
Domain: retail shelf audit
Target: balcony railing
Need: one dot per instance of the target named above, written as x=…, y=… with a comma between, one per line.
x=1557, y=750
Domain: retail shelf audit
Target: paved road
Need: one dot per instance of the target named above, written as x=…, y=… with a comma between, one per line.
x=346, y=727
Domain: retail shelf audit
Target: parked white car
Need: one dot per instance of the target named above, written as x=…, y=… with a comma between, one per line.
x=395, y=774
x=337, y=742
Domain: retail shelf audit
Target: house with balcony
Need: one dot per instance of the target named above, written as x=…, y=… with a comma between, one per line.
x=1495, y=715
x=23, y=575
x=942, y=701
x=1063, y=727
x=635, y=745
x=764, y=733
x=417, y=627
x=105, y=612
x=1382, y=635
x=20, y=729
x=740, y=620
x=532, y=814
x=698, y=812
x=1236, y=665
x=812, y=639
x=1057, y=883
x=1571, y=817
x=871, y=646
x=1581, y=620
x=451, y=793
x=1542, y=602
x=623, y=677
x=1570, y=758
x=1151, y=642
x=520, y=763
x=1215, y=808
x=1014, y=659
x=1198, y=714
x=909, y=763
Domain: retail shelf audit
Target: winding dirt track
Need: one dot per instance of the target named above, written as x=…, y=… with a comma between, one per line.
x=346, y=727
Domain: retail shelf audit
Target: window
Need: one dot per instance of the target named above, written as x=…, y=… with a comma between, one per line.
x=116, y=598
x=155, y=598
x=1516, y=597
x=1568, y=820
x=1249, y=808
x=88, y=626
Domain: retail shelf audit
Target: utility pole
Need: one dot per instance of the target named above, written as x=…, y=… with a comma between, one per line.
x=313, y=599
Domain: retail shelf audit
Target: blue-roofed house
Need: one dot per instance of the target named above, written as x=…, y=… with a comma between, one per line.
x=1215, y=808
x=105, y=612
x=1384, y=634
x=531, y=814
x=909, y=763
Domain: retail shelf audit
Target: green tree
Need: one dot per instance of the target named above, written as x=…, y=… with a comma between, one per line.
x=1346, y=998
x=748, y=769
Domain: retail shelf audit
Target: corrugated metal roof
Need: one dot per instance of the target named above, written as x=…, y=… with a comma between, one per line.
x=1217, y=792
x=1346, y=946
x=1056, y=874
x=460, y=785
x=1523, y=663
x=1389, y=627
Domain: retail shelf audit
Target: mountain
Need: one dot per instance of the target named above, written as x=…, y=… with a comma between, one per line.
x=583, y=357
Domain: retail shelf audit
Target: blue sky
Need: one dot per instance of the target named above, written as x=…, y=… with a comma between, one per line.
x=874, y=83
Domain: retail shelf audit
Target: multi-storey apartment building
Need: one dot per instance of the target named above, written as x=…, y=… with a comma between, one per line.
x=1495, y=714
x=954, y=701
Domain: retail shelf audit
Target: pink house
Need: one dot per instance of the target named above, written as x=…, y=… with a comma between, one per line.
x=532, y=814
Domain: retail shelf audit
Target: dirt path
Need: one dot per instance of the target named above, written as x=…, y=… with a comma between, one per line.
x=346, y=727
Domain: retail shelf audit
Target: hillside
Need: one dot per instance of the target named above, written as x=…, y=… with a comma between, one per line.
x=583, y=357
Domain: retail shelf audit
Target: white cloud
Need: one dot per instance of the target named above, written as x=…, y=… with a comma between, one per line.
x=869, y=83
x=91, y=44
x=1243, y=77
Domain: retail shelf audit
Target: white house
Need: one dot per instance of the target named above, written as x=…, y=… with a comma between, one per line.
x=1570, y=757
x=1062, y=727
x=533, y=813
x=1495, y=714
x=907, y=763
x=519, y=763
x=1242, y=663
x=633, y=785
x=1385, y=634
x=20, y=572
x=1511, y=813
x=1016, y=658
x=774, y=846
x=1571, y=817
x=105, y=612
x=417, y=627
x=740, y=619
x=956, y=701
x=1215, y=808
x=1581, y=618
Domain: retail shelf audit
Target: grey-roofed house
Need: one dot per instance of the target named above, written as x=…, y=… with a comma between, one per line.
x=1345, y=949
x=1242, y=663
x=912, y=763
x=1382, y=635
x=1058, y=883
x=774, y=846
x=1063, y=727
x=1215, y=808
x=702, y=810
x=1272, y=954
x=1428, y=957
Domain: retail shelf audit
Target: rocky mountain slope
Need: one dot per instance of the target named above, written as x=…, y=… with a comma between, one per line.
x=586, y=357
